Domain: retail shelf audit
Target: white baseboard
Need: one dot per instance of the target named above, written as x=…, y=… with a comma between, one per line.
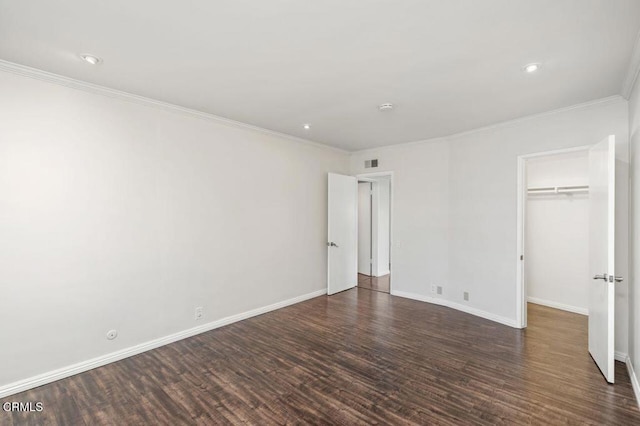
x=383, y=273
x=61, y=373
x=556, y=305
x=458, y=306
x=620, y=356
x=634, y=380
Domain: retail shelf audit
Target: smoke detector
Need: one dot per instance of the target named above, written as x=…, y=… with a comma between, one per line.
x=385, y=107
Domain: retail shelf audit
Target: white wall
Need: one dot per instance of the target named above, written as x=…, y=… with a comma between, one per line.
x=557, y=233
x=420, y=197
x=119, y=215
x=634, y=276
x=455, y=204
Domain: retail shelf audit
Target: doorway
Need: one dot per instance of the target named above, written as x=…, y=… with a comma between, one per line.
x=553, y=231
x=374, y=232
x=594, y=181
x=557, y=231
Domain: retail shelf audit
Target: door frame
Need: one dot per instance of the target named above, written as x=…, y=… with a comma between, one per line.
x=521, y=290
x=370, y=182
x=365, y=176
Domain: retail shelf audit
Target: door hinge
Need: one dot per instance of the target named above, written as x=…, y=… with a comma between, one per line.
x=521, y=257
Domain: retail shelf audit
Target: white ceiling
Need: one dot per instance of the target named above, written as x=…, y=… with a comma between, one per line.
x=447, y=65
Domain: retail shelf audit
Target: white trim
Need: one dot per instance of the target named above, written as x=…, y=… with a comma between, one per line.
x=633, y=70
x=61, y=373
x=634, y=379
x=603, y=101
x=556, y=305
x=373, y=175
x=48, y=77
x=37, y=74
x=521, y=184
x=383, y=273
x=620, y=356
x=457, y=306
x=556, y=152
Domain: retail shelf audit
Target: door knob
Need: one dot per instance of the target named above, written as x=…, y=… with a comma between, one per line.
x=332, y=244
x=618, y=279
x=601, y=277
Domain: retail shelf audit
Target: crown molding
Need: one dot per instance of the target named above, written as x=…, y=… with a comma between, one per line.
x=602, y=101
x=632, y=71
x=46, y=76
x=49, y=77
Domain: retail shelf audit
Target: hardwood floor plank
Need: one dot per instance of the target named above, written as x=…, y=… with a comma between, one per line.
x=381, y=283
x=359, y=357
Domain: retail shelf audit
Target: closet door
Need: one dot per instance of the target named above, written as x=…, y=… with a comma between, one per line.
x=602, y=172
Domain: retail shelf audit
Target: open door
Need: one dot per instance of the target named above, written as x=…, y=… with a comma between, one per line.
x=602, y=172
x=365, y=230
x=342, y=243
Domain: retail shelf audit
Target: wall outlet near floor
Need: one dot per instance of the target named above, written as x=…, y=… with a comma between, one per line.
x=466, y=295
x=439, y=290
x=199, y=313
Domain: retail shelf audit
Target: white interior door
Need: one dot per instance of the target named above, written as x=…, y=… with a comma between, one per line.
x=364, y=228
x=342, y=243
x=602, y=162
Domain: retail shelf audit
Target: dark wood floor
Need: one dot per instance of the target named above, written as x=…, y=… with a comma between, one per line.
x=358, y=357
x=375, y=283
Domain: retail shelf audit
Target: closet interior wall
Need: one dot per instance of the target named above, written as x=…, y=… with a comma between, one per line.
x=557, y=231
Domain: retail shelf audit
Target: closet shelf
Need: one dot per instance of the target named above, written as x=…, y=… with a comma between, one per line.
x=559, y=190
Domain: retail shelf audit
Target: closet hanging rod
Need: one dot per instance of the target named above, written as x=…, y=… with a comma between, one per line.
x=558, y=189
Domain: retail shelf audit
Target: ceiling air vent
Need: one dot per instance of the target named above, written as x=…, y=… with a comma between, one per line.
x=369, y=164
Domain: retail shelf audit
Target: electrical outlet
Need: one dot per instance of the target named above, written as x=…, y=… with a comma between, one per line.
x=199, y=313
x=439, y=289
x=466, y=295
x=434, y=288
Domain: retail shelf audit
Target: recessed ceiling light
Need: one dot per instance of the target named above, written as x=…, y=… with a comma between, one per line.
x=91, y=59
x=531, y=67
x=307, y=126
x=385, y=107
